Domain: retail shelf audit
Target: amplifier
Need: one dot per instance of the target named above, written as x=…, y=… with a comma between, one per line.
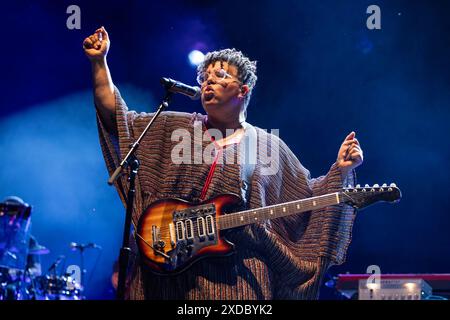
x=394, y=289
x=394, y=286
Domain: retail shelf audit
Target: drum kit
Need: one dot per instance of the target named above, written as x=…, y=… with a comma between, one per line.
x=20, y=269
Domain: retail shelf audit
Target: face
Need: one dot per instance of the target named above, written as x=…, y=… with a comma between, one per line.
x=222, y=92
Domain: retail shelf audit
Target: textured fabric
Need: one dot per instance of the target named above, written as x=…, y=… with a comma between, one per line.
x=284, y=258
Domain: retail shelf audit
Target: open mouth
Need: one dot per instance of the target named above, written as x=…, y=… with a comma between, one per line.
x=208, y=95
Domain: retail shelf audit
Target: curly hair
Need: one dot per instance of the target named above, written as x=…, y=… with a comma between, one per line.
x=246, y=68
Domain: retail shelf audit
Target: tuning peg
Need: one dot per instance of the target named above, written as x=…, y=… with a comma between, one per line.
x=349, y=186
x=358, y=186
x=366, y=186
x=376, y=185
x=384, y=185
x=392, y=185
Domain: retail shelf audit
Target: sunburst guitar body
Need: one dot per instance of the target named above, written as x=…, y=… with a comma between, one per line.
x=172, y=234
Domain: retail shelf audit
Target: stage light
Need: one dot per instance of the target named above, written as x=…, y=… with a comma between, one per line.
x=373, y=286
x=410, y=286
x=196, y=57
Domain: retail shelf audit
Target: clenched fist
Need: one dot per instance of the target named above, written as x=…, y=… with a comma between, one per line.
x=96, y=46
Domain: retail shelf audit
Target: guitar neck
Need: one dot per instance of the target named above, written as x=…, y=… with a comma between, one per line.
x=247, y=217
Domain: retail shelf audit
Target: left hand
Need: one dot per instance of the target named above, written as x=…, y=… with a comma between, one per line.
x=350, y=155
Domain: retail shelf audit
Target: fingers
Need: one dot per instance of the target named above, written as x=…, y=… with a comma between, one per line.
x=99, y=35
x=353, y=147
x=355, y=156
x=96, y=41
x=350, y=154
x=354, y=153
x=350, y=142
x=353, y=150
x=103, y=35
x=87, y=43
x=350, y=147
x=96, y=45
x=350, y=136
x=93, y=40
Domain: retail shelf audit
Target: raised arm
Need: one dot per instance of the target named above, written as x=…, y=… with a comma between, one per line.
x=96, y=48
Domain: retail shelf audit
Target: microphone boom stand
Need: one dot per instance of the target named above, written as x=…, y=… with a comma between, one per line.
x=131, y=161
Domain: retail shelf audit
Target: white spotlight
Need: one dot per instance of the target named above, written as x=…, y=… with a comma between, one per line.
x=196, y=57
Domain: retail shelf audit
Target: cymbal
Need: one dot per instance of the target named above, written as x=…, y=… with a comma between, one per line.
x=38, y=250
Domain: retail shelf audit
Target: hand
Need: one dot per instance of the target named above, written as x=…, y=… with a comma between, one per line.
x=350, y=155
x=96, y=46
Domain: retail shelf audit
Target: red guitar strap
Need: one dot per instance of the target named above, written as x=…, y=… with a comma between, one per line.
x=248, y=167
x=210, y=174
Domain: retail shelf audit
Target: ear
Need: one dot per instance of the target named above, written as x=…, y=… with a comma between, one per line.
x=244, y=91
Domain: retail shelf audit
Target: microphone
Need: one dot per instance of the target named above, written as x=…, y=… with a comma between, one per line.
x=178, y=87
x=78, y=246
x=12, y=255
x=55, y=264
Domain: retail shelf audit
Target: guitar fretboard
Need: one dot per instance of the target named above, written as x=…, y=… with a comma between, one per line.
x=276, y=211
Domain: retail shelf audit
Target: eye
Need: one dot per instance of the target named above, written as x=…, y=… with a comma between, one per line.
x=204, y=77
x=221, y=73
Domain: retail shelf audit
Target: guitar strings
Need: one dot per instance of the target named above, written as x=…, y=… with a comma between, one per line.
x=230, y=218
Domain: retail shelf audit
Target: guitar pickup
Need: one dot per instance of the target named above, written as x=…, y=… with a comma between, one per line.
x=180, y=231
x=210, y=227
x=201, y=228
x=189, y=227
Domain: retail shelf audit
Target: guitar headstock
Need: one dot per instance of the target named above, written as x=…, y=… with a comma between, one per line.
x=361, y=197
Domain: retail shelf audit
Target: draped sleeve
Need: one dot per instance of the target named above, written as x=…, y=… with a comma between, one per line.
x=301, y=247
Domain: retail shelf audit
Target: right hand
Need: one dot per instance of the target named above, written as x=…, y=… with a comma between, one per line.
x=96, y=46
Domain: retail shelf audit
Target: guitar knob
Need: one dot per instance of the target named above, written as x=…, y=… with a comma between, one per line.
x=393, y=185
x=376, y=185
x=358, y=186
x=366, y=186
x=384, y=185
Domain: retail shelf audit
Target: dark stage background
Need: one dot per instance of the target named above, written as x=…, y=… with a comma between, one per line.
x=322, y=74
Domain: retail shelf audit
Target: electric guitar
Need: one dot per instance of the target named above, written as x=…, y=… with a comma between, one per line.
x=173, y=233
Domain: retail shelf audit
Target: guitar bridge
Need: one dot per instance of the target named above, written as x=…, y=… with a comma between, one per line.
x=192, y=229
x=158, y=244
x=150, y=246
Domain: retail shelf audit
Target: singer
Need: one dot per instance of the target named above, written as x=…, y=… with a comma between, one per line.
x=284, y=258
